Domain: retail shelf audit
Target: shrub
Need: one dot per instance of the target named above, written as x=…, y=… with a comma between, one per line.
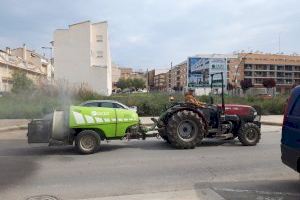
x=21, y=83
x=43, y=101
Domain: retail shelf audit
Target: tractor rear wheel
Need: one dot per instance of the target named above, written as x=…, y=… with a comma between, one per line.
x=249, y=134
x=163, y=135
x=185, y=129
x=87, y=142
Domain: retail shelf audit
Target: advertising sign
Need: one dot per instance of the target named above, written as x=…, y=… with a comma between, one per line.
x=199, y=70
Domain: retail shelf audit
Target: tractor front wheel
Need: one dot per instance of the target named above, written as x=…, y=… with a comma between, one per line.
x=87, y=142
x=185, y=129
x=249, y=134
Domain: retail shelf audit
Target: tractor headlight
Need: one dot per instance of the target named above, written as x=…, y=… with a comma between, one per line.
x=257, y=118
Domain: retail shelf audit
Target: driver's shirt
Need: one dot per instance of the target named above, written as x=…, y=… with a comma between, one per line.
x=188, y=98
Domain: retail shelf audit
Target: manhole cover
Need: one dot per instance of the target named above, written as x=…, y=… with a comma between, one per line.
x=43, y=197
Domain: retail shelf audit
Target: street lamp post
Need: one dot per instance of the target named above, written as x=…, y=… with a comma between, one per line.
x=48, y=48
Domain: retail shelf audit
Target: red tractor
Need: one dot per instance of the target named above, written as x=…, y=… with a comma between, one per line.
x=184, y=125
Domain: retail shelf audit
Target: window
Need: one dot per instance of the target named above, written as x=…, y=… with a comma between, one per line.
x=99, y=54
x=296, y=108
x=116, y=105
x=106, y=104
x=99, y=38
x=91, y=104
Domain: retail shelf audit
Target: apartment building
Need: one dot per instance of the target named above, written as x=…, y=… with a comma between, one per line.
x=37, y=67
x=126, y=72
x=82, y=56
x=160, y=82
x=285, y=69
x=150, y=77
x=177, y=77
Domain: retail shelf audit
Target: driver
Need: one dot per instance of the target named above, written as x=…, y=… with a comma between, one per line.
x=189, y=98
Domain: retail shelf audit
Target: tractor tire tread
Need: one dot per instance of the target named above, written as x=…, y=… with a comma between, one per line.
x=172, y=129
x=241, y=135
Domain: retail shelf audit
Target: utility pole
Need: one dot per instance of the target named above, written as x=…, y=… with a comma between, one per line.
x=279, y=43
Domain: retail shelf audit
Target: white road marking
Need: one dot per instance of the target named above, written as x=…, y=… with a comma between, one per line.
x=197, y=194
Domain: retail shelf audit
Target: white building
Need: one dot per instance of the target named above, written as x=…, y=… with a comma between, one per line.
x=82, y=56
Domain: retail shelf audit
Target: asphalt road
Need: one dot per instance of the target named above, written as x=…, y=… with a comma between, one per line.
x=136, y=167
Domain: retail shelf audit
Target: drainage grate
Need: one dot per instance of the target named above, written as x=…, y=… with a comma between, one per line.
x=43, y=197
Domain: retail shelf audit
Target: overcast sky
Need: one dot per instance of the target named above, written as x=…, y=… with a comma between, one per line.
x=154, y=33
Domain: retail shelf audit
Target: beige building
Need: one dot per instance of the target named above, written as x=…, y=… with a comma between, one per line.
x=82, y=56
x=285, y=69
x=37, y=67
x=160, y=82
x=177, y=77
x=116, y=74
x=126, y=72
x=150, y=77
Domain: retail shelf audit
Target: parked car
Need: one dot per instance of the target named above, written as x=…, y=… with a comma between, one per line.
x=107, y=104
x=290, y=141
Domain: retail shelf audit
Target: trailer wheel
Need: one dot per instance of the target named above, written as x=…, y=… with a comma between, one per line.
x=249, y=134
x=185, y=129
x=87, y=142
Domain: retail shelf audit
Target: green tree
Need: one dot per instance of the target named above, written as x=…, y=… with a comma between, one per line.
x=135, y=83
x=21, y=83
x=138, y=83
x=122, y=83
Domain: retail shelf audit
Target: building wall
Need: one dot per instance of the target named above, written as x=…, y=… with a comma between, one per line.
x=150, y=77
x=82, y=56
x=177, y=77
x=285, y=69
x=160, y=82
x=126, y=72
x=116, y=74
x=36, y=67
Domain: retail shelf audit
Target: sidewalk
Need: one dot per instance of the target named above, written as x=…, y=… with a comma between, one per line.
x=275, y=120
x=14, y=124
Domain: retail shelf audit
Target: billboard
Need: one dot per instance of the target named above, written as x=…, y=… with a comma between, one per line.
x=199, y=70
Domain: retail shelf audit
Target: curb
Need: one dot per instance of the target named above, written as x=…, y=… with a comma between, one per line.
x=12, y=128
x=271, y=123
